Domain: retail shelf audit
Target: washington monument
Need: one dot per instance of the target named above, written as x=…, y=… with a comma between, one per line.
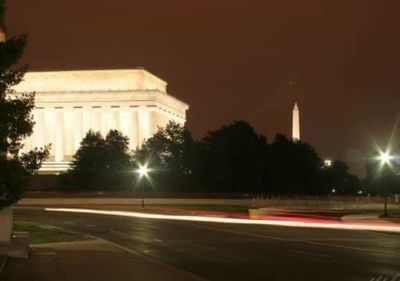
x=296, y=123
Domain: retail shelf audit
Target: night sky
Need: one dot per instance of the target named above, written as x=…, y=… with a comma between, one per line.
x=247, y=60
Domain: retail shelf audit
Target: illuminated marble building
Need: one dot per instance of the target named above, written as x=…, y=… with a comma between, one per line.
x=70, y=103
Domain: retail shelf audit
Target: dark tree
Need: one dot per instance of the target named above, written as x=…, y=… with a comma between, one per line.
x=92, y=154
x=232, y=159
x=117, y=147
x=293, y=167
x=337, y=177
x=100, y=163
x=16, y=121
x=169, y=153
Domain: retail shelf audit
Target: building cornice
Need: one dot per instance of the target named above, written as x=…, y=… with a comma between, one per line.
x=109, y=98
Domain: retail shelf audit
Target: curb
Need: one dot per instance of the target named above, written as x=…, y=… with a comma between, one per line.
x=360, y=218
x=3, y=261
x=370, y=218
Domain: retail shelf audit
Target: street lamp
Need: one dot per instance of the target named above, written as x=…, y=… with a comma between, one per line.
x=143, y=172
x=385, y=159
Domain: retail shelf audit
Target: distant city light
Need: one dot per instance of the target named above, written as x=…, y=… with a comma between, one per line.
x=327, y=162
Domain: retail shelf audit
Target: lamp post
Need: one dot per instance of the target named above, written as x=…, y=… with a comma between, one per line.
x=385, y=158
x=143, y=171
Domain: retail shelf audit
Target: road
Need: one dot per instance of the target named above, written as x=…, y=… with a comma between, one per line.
x=215, y=251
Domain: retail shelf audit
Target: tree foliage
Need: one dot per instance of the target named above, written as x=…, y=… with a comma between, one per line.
x=16, y=122
x=337, y=178
x=232, y=159
x=170, y=153
x=99, y=163
x=235, y=158
x=293, y=167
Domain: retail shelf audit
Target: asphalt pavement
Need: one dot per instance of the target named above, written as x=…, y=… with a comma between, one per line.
x=217, y=251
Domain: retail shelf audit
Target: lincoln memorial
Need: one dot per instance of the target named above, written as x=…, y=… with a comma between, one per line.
x=70, y=103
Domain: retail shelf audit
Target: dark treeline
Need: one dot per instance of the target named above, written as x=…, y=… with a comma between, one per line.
x=234, y=158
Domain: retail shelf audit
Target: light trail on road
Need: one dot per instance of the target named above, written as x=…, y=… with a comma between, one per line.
x=247, y=251
x=287, y=223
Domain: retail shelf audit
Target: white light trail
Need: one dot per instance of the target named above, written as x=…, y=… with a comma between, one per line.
x=341, y=225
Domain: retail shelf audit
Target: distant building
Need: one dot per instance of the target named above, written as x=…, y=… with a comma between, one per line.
x=70, y=103
x=296, y=123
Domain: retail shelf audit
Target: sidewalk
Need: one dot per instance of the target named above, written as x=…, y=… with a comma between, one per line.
x=86, y=260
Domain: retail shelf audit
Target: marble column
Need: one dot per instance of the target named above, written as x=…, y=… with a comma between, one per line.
x=59, y=136
x=154, y=121
x=105, y=121
x=50, y=130
x=38, y=137
x=135, y=126
x=86, y=120
x=78, y=128
x=95, y=119
x=126, y=124
x=116, y=122
x=70, y=127
x=143, y=125
x=134, y=132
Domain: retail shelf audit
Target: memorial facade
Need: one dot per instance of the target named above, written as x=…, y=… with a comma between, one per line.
x=70, y=103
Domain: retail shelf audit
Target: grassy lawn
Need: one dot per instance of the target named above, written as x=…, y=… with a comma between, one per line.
x=207, y=207
x=41, y=234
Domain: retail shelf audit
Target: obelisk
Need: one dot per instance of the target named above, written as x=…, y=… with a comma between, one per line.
x=296, y=123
